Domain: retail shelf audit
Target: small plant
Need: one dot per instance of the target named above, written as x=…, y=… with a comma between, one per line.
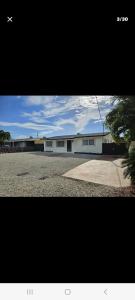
x=129, y=163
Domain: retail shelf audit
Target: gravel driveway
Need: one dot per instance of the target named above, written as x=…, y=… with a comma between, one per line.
x=40, y=174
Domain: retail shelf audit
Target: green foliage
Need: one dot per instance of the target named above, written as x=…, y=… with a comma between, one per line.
x=121, y=120
x=129, y=163
x=4, y=135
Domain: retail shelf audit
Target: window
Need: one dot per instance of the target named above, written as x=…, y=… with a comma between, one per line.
x=85, y=142
x=60, y=144
x=91, y=142
x=48, y=143
x=88, y=142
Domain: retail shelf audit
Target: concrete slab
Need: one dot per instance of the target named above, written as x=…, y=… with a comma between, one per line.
x=104, y=172
x=124, y=181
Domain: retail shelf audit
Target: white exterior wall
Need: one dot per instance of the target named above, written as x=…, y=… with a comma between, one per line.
x=77, y=146
x=56, y=149
x=108, y=139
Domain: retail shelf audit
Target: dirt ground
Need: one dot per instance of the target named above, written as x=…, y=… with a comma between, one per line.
x=40, y=174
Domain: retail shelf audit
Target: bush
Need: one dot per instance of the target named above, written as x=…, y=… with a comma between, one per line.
x=129, y=163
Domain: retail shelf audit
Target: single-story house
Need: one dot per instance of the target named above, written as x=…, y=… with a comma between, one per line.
x=79, y=143
x=27, y=143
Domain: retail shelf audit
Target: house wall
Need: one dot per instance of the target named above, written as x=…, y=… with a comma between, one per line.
x=77, y=146
x=56, y=149
x=108, y=139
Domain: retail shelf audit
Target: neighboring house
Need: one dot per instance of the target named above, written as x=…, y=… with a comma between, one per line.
x=29, y=143
x=79, y=143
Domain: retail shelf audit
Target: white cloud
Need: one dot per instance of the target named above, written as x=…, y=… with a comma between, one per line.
x=21, y=136
x=34, y=113
x=38, y=119
x=65, y=122
x=83, y=110
x=83, y=118
x=98, y=121
x=35, y=116
x=32, y=126
x=53, y=106
x=39, y=100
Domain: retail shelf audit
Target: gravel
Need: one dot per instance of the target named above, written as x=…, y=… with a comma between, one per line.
x=39, y=174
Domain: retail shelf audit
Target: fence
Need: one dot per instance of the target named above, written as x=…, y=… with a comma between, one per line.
x=114, y=149
x=38, y=147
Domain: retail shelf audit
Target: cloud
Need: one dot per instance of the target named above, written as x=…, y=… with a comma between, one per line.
x=52, y=113
x=34, y=113
x=39, y=100
x=65, y=122
x=21, y=136
x=35, y=116
x=44, y=133
x=98, y=121
x=32, y=126
x=54, y=105
x=82, y=119
x=83, y=108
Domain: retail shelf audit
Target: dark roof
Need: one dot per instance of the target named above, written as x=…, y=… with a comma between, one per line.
x=76, y=136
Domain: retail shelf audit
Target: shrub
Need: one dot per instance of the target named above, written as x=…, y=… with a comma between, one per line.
x=129, y=163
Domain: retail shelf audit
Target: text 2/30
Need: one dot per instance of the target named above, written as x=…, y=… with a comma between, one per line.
x=122, y=19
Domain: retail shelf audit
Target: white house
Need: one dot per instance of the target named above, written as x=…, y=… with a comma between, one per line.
x=79, y=143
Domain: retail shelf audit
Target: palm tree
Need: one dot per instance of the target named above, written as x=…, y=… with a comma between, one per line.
x=4, y=135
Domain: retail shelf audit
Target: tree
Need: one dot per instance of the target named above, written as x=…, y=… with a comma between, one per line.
x=4, y=135
x=121, y=120
x=129, y=163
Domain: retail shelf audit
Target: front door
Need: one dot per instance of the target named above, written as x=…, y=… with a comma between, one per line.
x=69, y=146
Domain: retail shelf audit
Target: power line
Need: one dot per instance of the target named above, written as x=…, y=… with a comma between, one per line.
x=100, y=113
x=99, y=109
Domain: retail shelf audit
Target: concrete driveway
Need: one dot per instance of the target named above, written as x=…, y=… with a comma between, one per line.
x=106, y=171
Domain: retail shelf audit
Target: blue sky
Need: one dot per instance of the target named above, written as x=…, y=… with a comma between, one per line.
x=24, y=116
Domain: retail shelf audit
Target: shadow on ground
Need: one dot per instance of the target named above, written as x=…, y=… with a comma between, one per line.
x=77, y=155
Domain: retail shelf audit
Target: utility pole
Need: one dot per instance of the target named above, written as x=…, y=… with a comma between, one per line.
x=37, y=133
x=103, y=127
x=98, y=109
x=100, y=119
